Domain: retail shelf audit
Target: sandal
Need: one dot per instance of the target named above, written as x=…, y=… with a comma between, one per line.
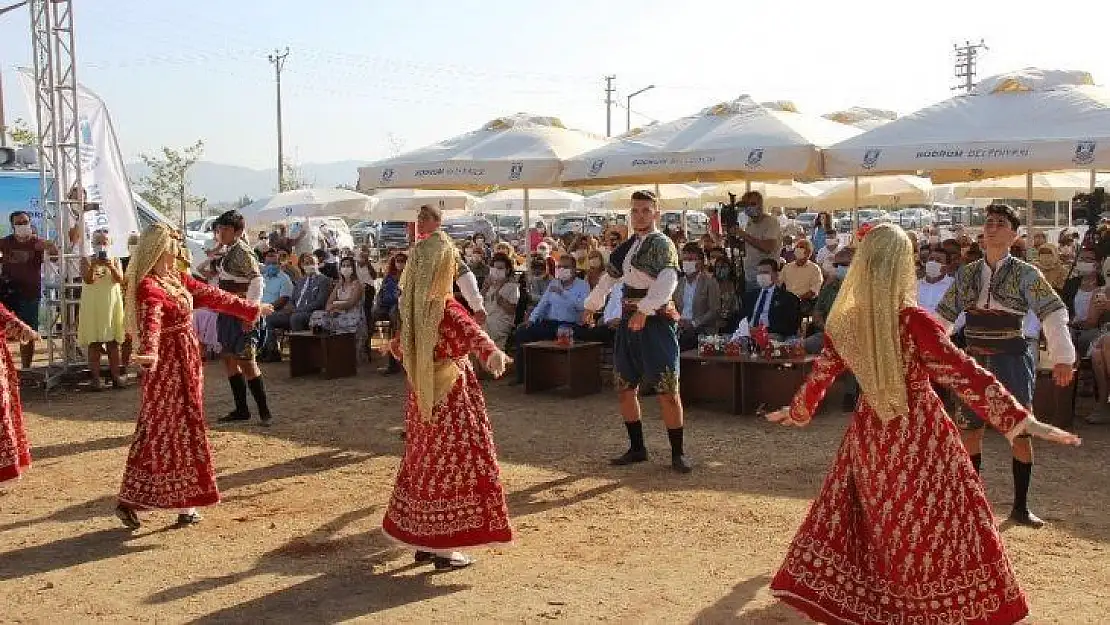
x=129, y=517
x=455, y=562
x=186, y=520
x=424, y=557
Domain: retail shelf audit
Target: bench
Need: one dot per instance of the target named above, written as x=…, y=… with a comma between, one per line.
x=748, y=384
x=331, y=355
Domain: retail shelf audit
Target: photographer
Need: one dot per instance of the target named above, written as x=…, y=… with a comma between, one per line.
x=100, y=324
x=762, y=237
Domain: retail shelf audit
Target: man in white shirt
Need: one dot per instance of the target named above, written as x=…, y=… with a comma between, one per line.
x=645, y=352
x=825, y=255
x=931, y=288
x=802, y=277
x=995, y=294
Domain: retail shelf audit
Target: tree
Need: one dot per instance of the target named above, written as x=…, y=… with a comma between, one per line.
x=166, y=186
x=291, y=177
x=21, y=133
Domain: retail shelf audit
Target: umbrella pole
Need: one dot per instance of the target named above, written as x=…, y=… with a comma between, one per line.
x=1056, y=213
x=1091, y=183
x=855, y=204
x=527, y=221
x=1029, y=199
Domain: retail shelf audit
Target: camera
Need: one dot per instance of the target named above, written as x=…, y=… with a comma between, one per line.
x=1089, y=208
x=102, y=255
x=730, y=214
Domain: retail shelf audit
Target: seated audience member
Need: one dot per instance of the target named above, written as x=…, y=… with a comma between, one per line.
x=277, y=290
x=802, y=276
x=538, y=279
x=729, y=309
x=309, y=295
x=771, y=305
x=502, y=294
x=327, y=263
x=342, y=314
x=815, y=342
x=595, y=267
x=697, y=298
x=561, y=304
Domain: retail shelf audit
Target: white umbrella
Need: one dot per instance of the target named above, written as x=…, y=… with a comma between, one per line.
x=862, y=117
x=785, y=194
x=1025, y=121
x=737, y=140
x=542, y=200
x=302, y=203
x=1048, y=187
x=403, y=204
x=668, y=196
x=878, y=191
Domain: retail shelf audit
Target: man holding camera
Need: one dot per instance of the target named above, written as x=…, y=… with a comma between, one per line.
x=762, y=236
x=21, y=257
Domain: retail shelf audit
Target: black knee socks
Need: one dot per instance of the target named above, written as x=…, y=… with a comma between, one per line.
x=258, y=391
x=1023, y=474
x=635, y=435
x=239, y=392
x=977, y=462
x=675, y=434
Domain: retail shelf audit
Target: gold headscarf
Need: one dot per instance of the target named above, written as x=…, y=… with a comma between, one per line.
x=863, y=323
x=426, y=285
x=154, y=242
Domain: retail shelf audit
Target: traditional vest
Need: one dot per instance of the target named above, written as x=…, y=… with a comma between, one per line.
x=656, y=253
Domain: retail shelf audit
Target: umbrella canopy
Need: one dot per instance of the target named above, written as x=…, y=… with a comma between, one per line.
x=878, y=191
x=518, y=151
x=307, y=203
x=403, y=204
x=737, y=140
x=862, y=117
x=541, y=200
x=1030, y=120
x=669, y=196
x=785, y=194
x=1049, y=187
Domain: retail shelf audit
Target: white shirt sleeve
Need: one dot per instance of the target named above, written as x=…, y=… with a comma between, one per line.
x=660, y=292
x=596, y=299
x=614, y=307
x=254, y=290
x=1056, y=334
x=468, y=285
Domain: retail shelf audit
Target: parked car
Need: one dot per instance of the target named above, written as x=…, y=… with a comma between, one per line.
x=913, y=218
x=806, y=222
x=465, y=227
x=394, y=235
x=697, y=222
x=943, y=217
x=873, y=216
x=365, y=233
x=576, y=223
x=507, y=227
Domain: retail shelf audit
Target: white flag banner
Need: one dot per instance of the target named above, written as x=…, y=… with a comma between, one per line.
x=102, y=170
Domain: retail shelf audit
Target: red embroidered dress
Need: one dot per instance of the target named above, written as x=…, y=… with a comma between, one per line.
x=448, y=493
x=902, y=532
x=15, y=452
x=170, y=463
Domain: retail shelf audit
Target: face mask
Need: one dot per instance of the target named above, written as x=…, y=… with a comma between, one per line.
x=933, y=269
x=1085, y=268
x=479, y=242
x=564, y=274
x=497, y=273
x=752, y=211
x=763, y=280
x=689, y=267
x=309, y=270
x=101, y=249
x=841, y=272
x=22, y=230
x=934, y=240
x=346, y=272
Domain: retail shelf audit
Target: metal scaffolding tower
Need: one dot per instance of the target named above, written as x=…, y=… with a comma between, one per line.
x=55, y=77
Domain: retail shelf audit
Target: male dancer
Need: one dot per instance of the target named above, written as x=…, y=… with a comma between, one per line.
x=238, y=272
x=645, y=352
x=428, y=220
x=995, y=294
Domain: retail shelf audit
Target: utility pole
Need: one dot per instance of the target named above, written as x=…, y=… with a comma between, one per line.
x=609, y=105
x=966, y=59
x=278, y=60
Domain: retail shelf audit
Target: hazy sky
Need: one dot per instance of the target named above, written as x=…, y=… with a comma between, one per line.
x=365, y=74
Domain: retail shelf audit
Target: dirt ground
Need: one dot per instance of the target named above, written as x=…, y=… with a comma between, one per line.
x=297, y=537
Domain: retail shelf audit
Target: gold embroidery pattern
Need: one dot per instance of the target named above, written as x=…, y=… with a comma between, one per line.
x=901, y=532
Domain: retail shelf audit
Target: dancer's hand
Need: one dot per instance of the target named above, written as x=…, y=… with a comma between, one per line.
x=588, y=317
x=636, y=323
x=265, y=310
x=497, y=363
x=1062, y=374
x=782, y=417
x=27, y=335
x=1052, y=433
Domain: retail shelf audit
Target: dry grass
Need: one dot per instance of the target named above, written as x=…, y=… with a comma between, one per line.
x=297, y=538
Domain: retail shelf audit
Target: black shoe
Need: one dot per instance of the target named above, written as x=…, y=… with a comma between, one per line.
x=1026, y=518
x=233, y=417
x=424, y=557
x=632, y=456
x=680, y=464
x=185, y=520
x=129, y=517
x=460, y=561
x=266, y=419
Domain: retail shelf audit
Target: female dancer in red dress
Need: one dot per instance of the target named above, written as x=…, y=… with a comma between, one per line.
x=15, y=452
x=901, y=531
x=170, y=464
x=448, y=493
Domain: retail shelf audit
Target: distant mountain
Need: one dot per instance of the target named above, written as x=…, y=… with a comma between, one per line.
x=227, y=183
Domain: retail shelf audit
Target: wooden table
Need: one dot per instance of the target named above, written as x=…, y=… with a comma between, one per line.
x=745, y=382
x=548, y=365
x=1053, y=404
x=331, y=355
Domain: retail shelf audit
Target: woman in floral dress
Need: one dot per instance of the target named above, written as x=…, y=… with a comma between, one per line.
x=448, y=494
x=170, y=463
x=15, y=452
x=901, y=531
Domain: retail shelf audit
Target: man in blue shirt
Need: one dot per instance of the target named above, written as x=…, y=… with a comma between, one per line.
x=562, y=304
x=277, y=290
